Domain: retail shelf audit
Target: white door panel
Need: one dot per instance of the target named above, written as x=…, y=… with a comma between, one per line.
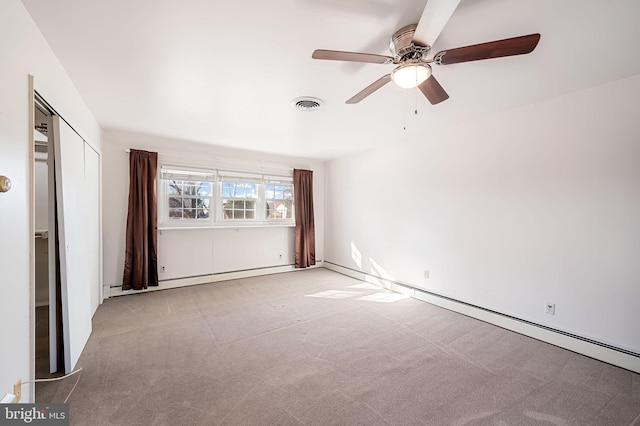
x=73, y=223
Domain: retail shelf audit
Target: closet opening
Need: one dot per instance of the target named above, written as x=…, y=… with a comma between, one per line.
x=66, y=246
x=49, y=349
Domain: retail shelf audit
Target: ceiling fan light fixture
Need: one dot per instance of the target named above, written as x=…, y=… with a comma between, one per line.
x=411, y=74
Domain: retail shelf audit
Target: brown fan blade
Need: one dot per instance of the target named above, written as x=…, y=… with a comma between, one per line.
x=433, y=91
x=337, y=55
x=369, y=89
x=493, y=49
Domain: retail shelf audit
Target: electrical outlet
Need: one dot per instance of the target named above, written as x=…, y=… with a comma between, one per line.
x=17, y=390
x=550, y=308
x=426, y=274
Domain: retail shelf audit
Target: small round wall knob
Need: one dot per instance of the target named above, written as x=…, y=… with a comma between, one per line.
x=5, y=184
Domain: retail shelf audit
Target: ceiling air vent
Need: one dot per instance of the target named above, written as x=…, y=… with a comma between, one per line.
x=307, y=104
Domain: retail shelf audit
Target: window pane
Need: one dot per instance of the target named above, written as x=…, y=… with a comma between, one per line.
x=239, y=189
x=280, y=210
x=204, y=189
x=287, y=212
x=173, y=188
x=189, y=189
x=227, y=189
x=269, y=190
x=251, y=190
x=175, y=213
x=246, y=190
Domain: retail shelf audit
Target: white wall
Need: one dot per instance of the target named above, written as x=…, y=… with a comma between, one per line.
x=24, y=51
x=194, y=252
x=532, y=205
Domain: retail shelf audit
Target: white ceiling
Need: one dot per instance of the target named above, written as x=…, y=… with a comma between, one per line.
x=225, y=72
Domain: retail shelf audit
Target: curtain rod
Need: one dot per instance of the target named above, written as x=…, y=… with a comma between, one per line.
x=128, y=151
x=231, y=166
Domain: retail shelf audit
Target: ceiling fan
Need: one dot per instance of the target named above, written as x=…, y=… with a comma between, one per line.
x=410, y=46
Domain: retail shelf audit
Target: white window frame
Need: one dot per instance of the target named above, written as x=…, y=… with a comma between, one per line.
x=235, y=177
x=216, y=178
x=181, y=173
x=282, y=181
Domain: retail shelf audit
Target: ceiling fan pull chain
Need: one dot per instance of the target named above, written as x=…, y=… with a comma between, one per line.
x=416, y=100
x=404, y=110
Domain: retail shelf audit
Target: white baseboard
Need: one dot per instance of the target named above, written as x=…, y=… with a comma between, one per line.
x=211, y=278
x=591, y=349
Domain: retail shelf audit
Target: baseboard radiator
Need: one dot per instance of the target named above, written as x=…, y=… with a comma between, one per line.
x=114, y=291
x=601, y=351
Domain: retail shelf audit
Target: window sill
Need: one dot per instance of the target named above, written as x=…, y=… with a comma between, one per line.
x=226, y=226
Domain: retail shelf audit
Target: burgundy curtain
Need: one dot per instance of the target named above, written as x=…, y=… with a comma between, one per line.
x=305, y=232
x=141, y=255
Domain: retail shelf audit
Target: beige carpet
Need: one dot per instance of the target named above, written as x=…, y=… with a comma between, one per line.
x=316, y=347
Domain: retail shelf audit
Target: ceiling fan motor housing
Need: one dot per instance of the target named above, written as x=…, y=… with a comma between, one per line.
x=402, y=47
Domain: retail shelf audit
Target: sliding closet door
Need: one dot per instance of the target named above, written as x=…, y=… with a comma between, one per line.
x=73, y=223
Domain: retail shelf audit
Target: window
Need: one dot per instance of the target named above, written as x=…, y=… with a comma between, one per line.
x=207, y=198
x=279, y=199
x=188, y=196
x=239, y=200
x=189, y=199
